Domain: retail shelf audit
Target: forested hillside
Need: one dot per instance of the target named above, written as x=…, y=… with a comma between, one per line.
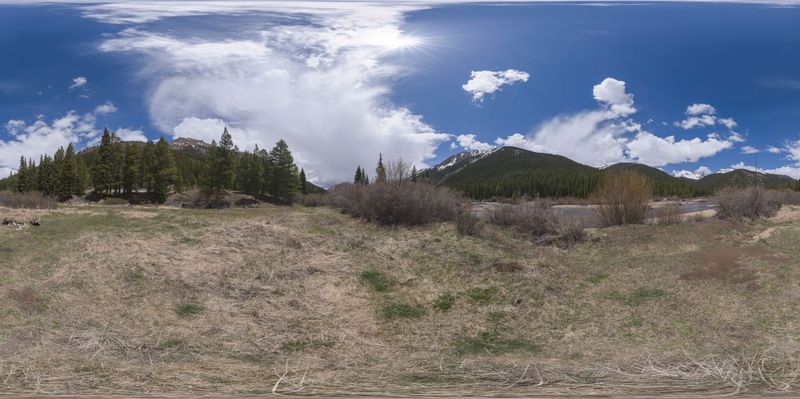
x=149, y=171
x=511, y=171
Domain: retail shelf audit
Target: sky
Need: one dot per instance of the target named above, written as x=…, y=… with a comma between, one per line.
x=689, y=87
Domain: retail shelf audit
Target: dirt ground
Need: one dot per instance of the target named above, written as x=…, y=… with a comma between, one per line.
x=307, y=300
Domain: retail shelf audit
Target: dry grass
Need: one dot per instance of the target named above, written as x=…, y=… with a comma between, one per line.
x=537, y=223
x=26, y=200
x=669, y=214
x=100, y=299
x=622, y=198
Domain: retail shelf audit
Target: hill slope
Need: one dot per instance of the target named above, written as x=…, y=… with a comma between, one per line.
x=511, y=171
x=743, y=178
x=663, y=183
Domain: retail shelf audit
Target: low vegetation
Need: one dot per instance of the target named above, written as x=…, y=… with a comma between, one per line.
x=538, y=224
x=622, y=198
x=26, y=200
x=307, y=299
x=397, y=202
x=747, y=204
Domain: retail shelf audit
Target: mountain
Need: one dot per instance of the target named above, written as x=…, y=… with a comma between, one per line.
x=511, y=171
x=743, y=178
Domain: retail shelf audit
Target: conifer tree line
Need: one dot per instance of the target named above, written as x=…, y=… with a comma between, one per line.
x=117, y=168
x=396, y=171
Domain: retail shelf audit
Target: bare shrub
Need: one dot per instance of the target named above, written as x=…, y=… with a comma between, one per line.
x=504, y=215
x=746, y=204
x=541, y=225
x=312, y=200
x=622, y=198
x=26, y=200
x=398, y=171
x=784, y=197
x=395, y=203
x=670, y=214
x=467, y=223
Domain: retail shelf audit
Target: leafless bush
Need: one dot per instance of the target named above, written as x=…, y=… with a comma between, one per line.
x=395, y=203
x=467, y=223
x=746, y=204
x=313, y=199
x=398, y=171
x=26, y=200
x=670, y=214
x=622, y=198
x=784, y=197
x=541, y=225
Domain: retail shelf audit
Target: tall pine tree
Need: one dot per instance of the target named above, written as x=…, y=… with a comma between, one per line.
x=380, y=171
x=284, y=179
x=163, y=171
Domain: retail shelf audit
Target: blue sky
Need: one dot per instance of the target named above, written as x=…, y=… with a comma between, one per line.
x=688, y=87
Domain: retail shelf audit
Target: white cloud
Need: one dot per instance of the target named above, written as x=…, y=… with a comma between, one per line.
x=750, y=150
x=693, y=174
x=126, y=134
x=700, y=109
x=106, y=108
x=774, y=150
x=80, y=81
x=611, y=92
x=321, y=83
x=703, y=115
x=15, y=126
x=606, y=135
x=482, y=83
x=41, y=137
x=468, y=142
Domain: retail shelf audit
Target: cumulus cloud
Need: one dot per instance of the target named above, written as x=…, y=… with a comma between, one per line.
x=468, y=142
x=78, y=82
x=611, y=92
x=607, y=135
x=693, y=174
x=700, y=109
x=774, y=150
x=482, y=83
x=319, y=81
x=41, y=137
x=702, y=115
x=106, y=108
x=750, y=150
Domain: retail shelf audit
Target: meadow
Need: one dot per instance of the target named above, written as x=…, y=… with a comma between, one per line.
x=310, y=300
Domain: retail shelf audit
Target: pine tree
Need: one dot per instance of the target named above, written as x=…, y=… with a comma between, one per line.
x=283, y=172
x=103, y=172
x=380, y=171
x=251, y=173
x=146, y=166
x=163, y=170
x=221, y=167
x=83, y=179
x=58, y=160
x=303, y=182
x=44, y=182
x=414, y=174
x=22, y=175
x=358, y=179
x=68, y=174
x=131, y=168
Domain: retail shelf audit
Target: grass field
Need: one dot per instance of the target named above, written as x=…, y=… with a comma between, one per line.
x=125, y=299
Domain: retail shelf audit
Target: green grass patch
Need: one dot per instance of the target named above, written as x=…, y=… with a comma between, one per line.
x=377, y=281
x=444, y=302
x=491, y=342
x=596, y=278
x=482, y=296
x=402, y=311
x=188, y=309
x=636, y=297
x=306, y=344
